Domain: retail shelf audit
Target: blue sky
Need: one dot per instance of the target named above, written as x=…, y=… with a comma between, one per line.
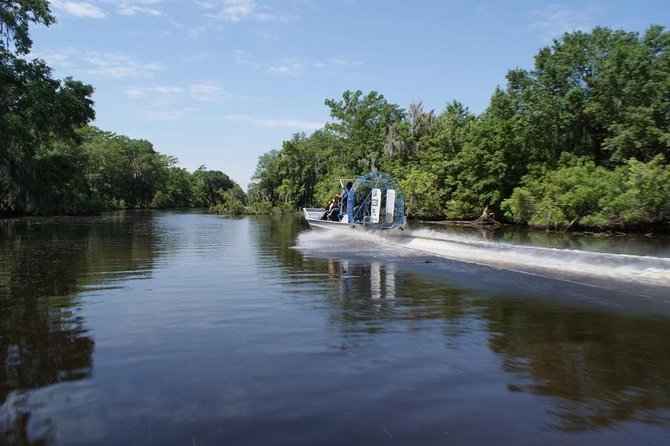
x=219, y=82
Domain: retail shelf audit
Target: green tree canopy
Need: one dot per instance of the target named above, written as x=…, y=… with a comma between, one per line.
x=36, y=110
x=362, y=123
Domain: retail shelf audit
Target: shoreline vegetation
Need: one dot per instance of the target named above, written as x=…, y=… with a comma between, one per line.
x=581, y=142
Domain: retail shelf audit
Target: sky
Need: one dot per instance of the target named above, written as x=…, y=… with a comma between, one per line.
x=220, y=82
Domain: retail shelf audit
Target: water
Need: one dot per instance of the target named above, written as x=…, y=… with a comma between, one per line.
x=192, y=329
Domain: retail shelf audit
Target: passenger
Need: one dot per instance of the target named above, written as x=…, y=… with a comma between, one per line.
x=329, y=208
x=334, y=209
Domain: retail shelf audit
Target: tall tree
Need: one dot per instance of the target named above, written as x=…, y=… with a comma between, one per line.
x=602, y=94
x=35, y=108
x=363, y=123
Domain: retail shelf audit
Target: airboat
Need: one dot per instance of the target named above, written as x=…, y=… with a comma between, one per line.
x=374, y=203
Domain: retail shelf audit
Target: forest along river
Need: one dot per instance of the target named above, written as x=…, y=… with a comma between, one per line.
x=193, y=329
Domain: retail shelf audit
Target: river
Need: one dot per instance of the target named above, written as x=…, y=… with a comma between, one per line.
x=184, y=328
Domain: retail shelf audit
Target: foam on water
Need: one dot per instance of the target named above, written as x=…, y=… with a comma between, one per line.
x=566, y=264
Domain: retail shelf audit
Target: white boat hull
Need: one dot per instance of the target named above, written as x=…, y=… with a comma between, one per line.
x=313, y=217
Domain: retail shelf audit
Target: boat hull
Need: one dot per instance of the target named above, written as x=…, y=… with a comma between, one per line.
x=313, y=217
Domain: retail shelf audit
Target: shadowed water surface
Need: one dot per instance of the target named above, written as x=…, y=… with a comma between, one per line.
x=192, y=329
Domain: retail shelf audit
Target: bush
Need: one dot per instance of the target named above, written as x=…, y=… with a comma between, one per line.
x=520, y=207
x=591, y=196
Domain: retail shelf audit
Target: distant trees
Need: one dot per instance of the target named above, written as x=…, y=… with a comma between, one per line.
x=120, y=172
x=583, y=139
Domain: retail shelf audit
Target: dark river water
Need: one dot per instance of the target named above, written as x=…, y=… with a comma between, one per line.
x=165, y=328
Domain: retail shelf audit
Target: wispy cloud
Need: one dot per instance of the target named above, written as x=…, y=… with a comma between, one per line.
x=78, y=9
x=171, y=115
x=123, y=7
x=235, y=10
x=119, y=65
x=134, y=7
x=287, y=68
x=294, y=66
x=190, y=31
x=557, y=19
x=162, y=90
x=208, y=91
x=114, y=65
x=341, y=61
x=239, y=10
x=276, y=122
x=61, y=59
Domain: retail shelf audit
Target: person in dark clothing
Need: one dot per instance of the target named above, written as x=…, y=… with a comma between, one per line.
x=332, y=210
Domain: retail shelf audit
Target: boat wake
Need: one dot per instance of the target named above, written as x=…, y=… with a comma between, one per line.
x=585, y=267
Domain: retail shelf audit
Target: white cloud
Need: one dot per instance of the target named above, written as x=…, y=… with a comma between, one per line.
x=133, y=7
x=78, y=9
x=160, y=90
x=123, y=7
x=118, y=65
x=557, y=19
x=238, y=10
x=208, y=91
x=60, y=59
x=233, y=10
x=275, y=123
x=114, y=65
x=287, y=68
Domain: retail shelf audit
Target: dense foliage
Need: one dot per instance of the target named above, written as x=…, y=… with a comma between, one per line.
x=52, y=162
x=582, y=139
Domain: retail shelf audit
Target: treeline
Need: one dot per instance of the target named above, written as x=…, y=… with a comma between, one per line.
x=98, y=170
x=108, y=171
x=583, y=139
x=53, y=162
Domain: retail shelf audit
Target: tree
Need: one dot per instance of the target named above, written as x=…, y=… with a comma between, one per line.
x=208, y=185
x=15, y=19
x=176, y=190
x=601, y=94
x=362, y=122
x=35, y=110
x=270, y=170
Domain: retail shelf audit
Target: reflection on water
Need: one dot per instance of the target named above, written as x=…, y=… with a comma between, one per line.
x=43, y=335
x=601, y=369
x=187, y=328
x=342, y=275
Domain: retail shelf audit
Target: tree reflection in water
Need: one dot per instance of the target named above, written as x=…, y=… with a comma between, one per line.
x=598, y=367
x=43, y=336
